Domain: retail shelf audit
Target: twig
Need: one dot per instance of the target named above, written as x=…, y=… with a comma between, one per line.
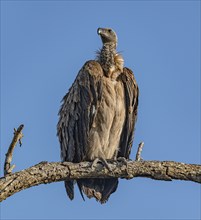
x=139, y=151
x=17, y=137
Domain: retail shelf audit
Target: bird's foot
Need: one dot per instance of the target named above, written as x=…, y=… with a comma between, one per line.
x=103, y=162
x=123, y=160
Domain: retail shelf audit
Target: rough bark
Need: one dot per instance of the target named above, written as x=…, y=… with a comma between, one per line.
x=9, y=156
x=45, y=172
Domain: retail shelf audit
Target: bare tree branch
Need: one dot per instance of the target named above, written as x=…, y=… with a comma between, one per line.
x=17, y=137
x=45, y=172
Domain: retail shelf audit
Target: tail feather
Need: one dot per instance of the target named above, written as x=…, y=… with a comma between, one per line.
x=69, y=185
x=101, y=189
x=80, y=189
x=109, y=188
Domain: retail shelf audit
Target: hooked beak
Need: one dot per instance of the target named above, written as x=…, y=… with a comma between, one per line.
x=99, y=31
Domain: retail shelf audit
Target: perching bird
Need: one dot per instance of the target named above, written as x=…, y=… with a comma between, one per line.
x=98, y=115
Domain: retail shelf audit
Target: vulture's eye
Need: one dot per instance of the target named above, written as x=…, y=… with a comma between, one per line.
x=110, y=30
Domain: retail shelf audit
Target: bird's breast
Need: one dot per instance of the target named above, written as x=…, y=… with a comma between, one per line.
x=105, y=133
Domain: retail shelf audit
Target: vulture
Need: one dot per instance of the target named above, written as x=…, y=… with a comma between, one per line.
x=98, y=115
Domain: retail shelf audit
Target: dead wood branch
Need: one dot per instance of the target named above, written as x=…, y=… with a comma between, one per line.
x=17, y=137
x=139, y=151
x=45, y=172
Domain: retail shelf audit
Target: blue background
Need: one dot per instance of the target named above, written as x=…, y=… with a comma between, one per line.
x=43, y=46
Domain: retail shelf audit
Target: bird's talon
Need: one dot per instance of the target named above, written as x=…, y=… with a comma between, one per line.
x=103, y=162
x=94, y=163
x=123, y=160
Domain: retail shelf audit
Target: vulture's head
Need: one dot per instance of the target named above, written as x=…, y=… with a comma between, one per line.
x=107, y=35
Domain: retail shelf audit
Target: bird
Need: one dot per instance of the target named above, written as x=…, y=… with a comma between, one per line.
x=97, y=116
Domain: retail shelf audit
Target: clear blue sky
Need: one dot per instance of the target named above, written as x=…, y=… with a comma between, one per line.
x=43, y=46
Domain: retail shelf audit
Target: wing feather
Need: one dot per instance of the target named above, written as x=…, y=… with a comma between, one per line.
x=131, y=95
x=76, y=113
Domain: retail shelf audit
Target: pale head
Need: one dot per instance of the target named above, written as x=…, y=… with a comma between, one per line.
x=107, y=35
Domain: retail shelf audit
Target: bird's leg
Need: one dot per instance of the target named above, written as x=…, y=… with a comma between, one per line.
x=103, y=161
